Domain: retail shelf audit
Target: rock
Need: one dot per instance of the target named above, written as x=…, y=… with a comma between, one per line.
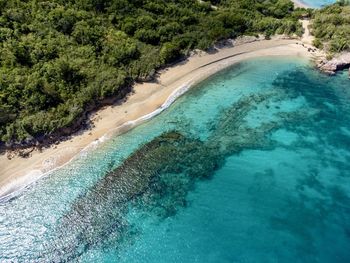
x=338, y=63
x=25, y=153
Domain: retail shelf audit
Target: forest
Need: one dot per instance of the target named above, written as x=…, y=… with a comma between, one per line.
x=62, y=58
x=331, y=27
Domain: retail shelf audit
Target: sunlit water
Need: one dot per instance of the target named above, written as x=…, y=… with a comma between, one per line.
x=252, y=165
x=317, y=3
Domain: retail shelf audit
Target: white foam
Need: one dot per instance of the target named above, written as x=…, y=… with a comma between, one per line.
x=170, y=100
x=17, y=186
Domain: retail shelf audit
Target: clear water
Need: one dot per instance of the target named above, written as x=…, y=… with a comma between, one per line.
x=317, y=3
x=252, y=165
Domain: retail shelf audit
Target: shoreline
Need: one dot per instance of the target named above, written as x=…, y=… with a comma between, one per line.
x=148, y=100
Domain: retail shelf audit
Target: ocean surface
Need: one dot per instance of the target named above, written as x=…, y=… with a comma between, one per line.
x=252, y=165
x=317, y=3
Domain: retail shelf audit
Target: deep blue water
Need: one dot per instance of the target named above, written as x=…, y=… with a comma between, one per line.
x=252, y=165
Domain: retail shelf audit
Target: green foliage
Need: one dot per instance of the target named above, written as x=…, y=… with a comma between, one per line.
x=169, y=52
x=331, y=26
x=317, y=43
x=58, y=58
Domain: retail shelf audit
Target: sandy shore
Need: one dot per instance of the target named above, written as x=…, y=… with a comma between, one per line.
x=148, y=99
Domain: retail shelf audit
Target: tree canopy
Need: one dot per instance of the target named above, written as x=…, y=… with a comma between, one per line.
x=59, y=58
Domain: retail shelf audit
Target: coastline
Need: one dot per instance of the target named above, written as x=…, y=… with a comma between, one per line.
x=147, y=100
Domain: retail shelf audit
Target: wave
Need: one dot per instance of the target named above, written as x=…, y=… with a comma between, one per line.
x=18, y=186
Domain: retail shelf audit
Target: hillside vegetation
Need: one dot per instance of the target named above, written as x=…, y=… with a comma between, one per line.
x=60, y=58
x=331, y=27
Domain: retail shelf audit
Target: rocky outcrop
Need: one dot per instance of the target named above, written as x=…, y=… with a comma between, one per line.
x=339, y=62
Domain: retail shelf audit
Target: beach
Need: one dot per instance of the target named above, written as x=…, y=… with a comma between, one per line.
x=147, y=100
x=174, y=131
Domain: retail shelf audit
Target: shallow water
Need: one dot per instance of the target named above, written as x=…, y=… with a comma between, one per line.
x=317, y=3
x=252, y=165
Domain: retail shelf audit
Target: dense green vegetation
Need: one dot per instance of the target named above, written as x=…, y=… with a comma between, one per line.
x=59, y=58
x=331, y=27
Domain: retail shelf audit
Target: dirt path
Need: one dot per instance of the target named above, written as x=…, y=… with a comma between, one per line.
x=307, y=38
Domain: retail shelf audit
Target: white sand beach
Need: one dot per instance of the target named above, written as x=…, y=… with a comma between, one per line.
x=145, y=100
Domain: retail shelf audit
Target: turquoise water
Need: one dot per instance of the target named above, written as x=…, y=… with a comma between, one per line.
x=317, y=3
x=252, y=165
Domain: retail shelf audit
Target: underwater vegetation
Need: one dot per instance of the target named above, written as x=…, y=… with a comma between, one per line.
x=157, y=178
x=251, y=164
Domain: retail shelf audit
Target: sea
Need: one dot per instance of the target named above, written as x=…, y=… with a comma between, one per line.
x=317, y=3
x=250, y=165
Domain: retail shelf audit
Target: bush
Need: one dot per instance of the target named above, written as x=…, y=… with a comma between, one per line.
x=169, y=52
x=60, y=58
x=331, y=25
